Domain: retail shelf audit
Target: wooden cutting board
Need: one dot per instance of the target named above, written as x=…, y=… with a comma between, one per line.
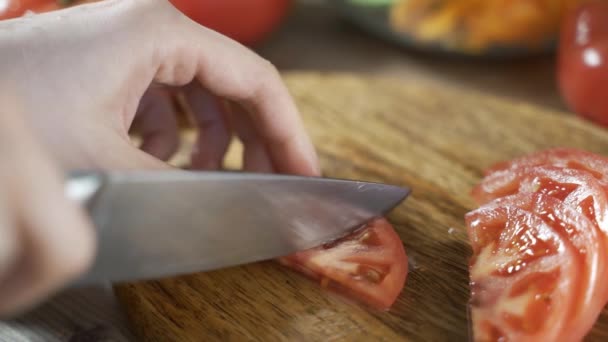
x=434, y=139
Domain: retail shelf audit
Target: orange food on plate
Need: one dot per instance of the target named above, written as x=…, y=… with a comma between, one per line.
x=476, y=25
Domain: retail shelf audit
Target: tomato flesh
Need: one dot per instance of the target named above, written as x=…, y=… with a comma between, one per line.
x=369, y=265
x=539, y=270
x=523, y=274
x=576, y=188
x=570, y=158
x=539, y=245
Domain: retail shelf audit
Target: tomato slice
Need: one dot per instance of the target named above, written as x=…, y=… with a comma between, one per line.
x=559, y=157
x=537, y=272
x=578, y=189
x=369, y=265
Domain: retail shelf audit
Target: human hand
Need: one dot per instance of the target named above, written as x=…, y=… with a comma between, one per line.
x=78, y=76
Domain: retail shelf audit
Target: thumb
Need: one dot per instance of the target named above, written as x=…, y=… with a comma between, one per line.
x=47, y=240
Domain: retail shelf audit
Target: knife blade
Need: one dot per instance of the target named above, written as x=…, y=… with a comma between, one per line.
x=154, y=224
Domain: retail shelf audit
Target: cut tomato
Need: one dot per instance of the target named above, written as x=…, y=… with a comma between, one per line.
x=538, y=270
x=559, y=157
x=369, y=265
x=578, y=189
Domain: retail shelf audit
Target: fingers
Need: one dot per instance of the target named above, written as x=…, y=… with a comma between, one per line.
x=8, y=240
x=214, y=132
x=273, y=115
x=127, y=157
x=55, y=245
x=45, y=240
x=156, y=122
x=256, y=157
x=48, y=239
x=229, y=70
x=118, y=153
x=277, y=123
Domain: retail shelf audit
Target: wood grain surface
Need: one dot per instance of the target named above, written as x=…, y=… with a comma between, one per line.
x=436, y=140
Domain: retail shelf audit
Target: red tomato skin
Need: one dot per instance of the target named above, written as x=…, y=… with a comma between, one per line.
x=247, y=21
x=499, y=227
x=17, y=8
x=576, y=188
x=566, y=177
x=385, y=250
x=11, y=9
x=47, y=7
x=583, y=61
x=581, y=266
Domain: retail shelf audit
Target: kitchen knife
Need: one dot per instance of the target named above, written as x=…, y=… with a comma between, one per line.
x=153, y=224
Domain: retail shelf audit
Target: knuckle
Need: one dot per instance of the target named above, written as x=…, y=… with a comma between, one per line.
x=269, y=71
x=176, y=71
x=269, y=67
x=267, y=78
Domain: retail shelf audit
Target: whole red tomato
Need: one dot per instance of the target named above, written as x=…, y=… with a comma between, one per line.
x=246, y=21
x=16, y=8
x=583, y=61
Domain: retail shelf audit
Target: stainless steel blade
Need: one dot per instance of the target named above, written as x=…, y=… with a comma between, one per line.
x=154, y=224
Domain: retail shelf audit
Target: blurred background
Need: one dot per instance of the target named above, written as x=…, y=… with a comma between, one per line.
x=319, y=35
x=549, y=53
x=508, y=48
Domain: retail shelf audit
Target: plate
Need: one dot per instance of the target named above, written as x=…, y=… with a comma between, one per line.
x=374, y=19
